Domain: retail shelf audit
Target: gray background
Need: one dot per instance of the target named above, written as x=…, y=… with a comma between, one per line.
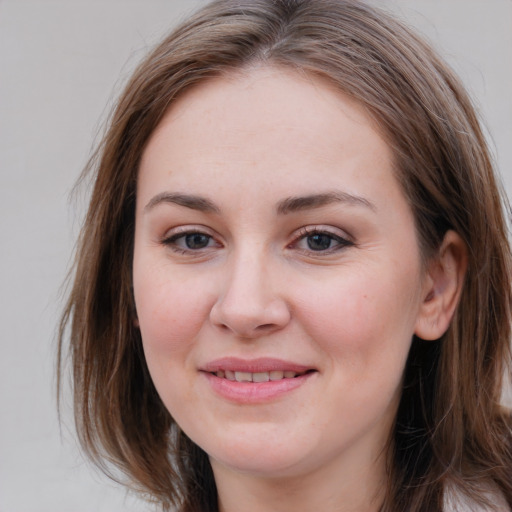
x=62, y=62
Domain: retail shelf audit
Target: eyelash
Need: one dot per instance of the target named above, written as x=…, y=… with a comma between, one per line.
x=303, y=234
x=172, y=241
x=308, y=231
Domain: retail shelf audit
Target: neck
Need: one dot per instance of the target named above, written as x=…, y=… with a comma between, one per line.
x=353, y=488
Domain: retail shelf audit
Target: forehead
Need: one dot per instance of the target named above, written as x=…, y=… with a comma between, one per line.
x=269, y=124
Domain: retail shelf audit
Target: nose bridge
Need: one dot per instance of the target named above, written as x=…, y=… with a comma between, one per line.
x=249, y=303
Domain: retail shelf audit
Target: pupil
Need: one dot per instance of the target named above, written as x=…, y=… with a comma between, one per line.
x=197, y=241
x=319, y=242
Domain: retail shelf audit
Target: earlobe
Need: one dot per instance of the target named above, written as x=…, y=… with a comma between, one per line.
x=443, y=285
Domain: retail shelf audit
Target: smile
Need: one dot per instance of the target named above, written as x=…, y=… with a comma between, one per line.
x=240, y=376
x=255, y=381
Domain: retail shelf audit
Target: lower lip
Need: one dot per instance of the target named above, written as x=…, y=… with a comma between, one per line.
x=255, y=392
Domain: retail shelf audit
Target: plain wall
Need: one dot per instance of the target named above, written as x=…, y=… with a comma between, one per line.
x=61, y=64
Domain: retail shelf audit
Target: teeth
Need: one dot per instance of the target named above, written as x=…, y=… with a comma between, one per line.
x=243, y=376
x=260, y=377
x=255, y=377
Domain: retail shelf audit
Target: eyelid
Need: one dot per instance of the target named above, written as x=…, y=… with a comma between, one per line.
x=186, y=229
x=342, y=237
x=172, y=235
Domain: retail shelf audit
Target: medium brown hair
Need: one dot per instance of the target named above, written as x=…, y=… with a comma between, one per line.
x=450, y=429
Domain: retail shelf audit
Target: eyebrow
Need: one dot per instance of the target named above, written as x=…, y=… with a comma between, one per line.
x=288, y=205
x=299, y=203
x=189, y=201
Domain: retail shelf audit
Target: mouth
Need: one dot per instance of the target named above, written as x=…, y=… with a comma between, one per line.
x=263, y=376
x=256, y=381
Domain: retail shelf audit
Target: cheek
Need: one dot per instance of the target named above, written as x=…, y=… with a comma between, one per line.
x=364, y=320
x=170, y=315
x=170, y=312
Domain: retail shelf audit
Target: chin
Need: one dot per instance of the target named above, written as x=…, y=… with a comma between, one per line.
x=260, y=452
x=263, y=465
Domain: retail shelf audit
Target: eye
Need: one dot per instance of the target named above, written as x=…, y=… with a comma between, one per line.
x=196, y=240
x=189, y=241
x=312, y=239
x=319, y=241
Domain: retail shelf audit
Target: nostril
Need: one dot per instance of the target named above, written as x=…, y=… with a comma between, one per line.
x=265, y=327
x=253, y=317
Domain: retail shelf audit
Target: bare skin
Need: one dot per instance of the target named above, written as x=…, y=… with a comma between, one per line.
x=272, y=236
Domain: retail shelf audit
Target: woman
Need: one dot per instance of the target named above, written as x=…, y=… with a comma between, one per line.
x=292, y=289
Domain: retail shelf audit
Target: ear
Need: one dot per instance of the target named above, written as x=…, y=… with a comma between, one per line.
x=442, y=288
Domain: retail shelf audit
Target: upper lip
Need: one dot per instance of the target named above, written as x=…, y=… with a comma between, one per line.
x=262, y=364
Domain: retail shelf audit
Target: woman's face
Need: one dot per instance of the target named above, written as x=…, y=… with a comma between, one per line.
x=277, y=275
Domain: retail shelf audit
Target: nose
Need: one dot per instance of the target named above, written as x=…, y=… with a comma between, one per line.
x=249, y=304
